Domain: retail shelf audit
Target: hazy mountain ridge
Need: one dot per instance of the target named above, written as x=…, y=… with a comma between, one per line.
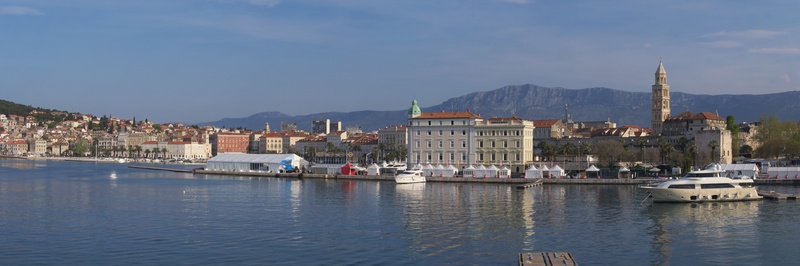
x=535, y=102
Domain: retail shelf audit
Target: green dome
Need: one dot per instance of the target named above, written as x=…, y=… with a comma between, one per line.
x=414, y=110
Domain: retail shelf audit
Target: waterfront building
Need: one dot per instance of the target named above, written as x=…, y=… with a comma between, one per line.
x=548, y=129
x=264, y=163
x=430, y=136
x=393, y=138
x=503, y=141
x=16, y=147
x=37, y=147
x=661, y=100
x=178, y=149
x=271, y=143
x=687, y=122
x=229, y=142
x=290, y=138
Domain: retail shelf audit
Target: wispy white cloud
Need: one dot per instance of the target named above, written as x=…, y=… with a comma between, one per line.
x=783, y=50
x=723, y=44
x=19, y=10
x=746, y=34
x=786, y=78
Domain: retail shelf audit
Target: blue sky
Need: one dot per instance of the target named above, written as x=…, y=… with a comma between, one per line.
x=203, y=60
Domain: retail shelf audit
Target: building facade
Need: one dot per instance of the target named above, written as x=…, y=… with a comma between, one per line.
x=441, y=137
x=504, y=141
x=229, y=142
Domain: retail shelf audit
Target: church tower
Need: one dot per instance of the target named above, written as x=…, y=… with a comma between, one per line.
x=414, y=111
x=660, y=100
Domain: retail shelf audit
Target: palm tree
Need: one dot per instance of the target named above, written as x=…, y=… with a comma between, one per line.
x=666, y=148
x=147, y=153
x=155, y=151
x=114, y=150
x=138, y=151
x=713, y=145
x=641, y=141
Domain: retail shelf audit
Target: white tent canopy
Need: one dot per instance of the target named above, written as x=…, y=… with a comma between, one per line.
x=492, y=171
x=557, y=172
x=469, y=171
x=592, y=172
x=242, y=162
x=374, y=169
x=504, y=172
x=532, y=172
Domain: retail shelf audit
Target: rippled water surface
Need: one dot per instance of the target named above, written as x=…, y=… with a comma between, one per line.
x=105, y=213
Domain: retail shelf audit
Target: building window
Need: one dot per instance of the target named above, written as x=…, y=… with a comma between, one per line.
x=452, y=144
x=463, y=144
x=452, y=132
x=440, y=133
x=493, y=156
x=452, y=122
x=517, y=156
x=440, y=144
x=417, y=142
x=463, y=132
x=429, y=143
x=417, y=132
x=463, y=156
x=429, y=123
x=429, y=132
x=480, y=144
x=440, y=156
x=480, y=156
x=505, y=144
x=505, y=156
x=518, y=144
x=493, y=144
x=429, y=156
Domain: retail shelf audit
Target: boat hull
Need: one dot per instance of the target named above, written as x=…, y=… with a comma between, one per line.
x=702, y=195
x=409, y=179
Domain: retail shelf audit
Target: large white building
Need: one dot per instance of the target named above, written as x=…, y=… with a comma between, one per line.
x=178, y=150
x=441, y=137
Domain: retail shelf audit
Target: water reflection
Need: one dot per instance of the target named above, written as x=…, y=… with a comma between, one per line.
x=710, y=226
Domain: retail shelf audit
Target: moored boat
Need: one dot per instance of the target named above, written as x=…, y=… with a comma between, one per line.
x=410, y=176
x=709, y=184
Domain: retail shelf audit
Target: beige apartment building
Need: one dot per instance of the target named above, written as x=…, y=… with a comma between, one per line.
x=504, y=141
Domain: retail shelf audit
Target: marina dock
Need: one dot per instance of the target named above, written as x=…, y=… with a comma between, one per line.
x=546, y=259
x=160, y=168
x=777, y=196
x=536, y=183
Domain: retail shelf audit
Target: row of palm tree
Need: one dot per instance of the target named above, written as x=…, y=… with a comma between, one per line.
x=131, y=151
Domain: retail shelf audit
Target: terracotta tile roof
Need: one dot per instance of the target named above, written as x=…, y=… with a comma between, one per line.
x=273, y=135
x=513, y=118
x=545, y=123
x=708, y=116
x=446, y=115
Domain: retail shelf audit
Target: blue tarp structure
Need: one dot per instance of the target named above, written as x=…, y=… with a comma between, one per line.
x=287, y=164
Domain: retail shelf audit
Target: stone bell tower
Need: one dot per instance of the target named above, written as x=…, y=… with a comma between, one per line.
x=660, y=100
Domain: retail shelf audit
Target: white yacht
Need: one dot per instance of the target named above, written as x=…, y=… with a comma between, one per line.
x=410, y=176
x=709, y=184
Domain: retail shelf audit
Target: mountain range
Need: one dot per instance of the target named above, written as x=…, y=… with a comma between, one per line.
x=534, y=102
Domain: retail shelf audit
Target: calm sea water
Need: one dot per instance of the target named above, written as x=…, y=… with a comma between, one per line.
x=105, y=213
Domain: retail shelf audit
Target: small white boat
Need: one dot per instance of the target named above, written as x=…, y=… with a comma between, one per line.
x=709, y=184
x=410, y=176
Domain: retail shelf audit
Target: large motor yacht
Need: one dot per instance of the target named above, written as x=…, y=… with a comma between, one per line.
x=710, y=184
